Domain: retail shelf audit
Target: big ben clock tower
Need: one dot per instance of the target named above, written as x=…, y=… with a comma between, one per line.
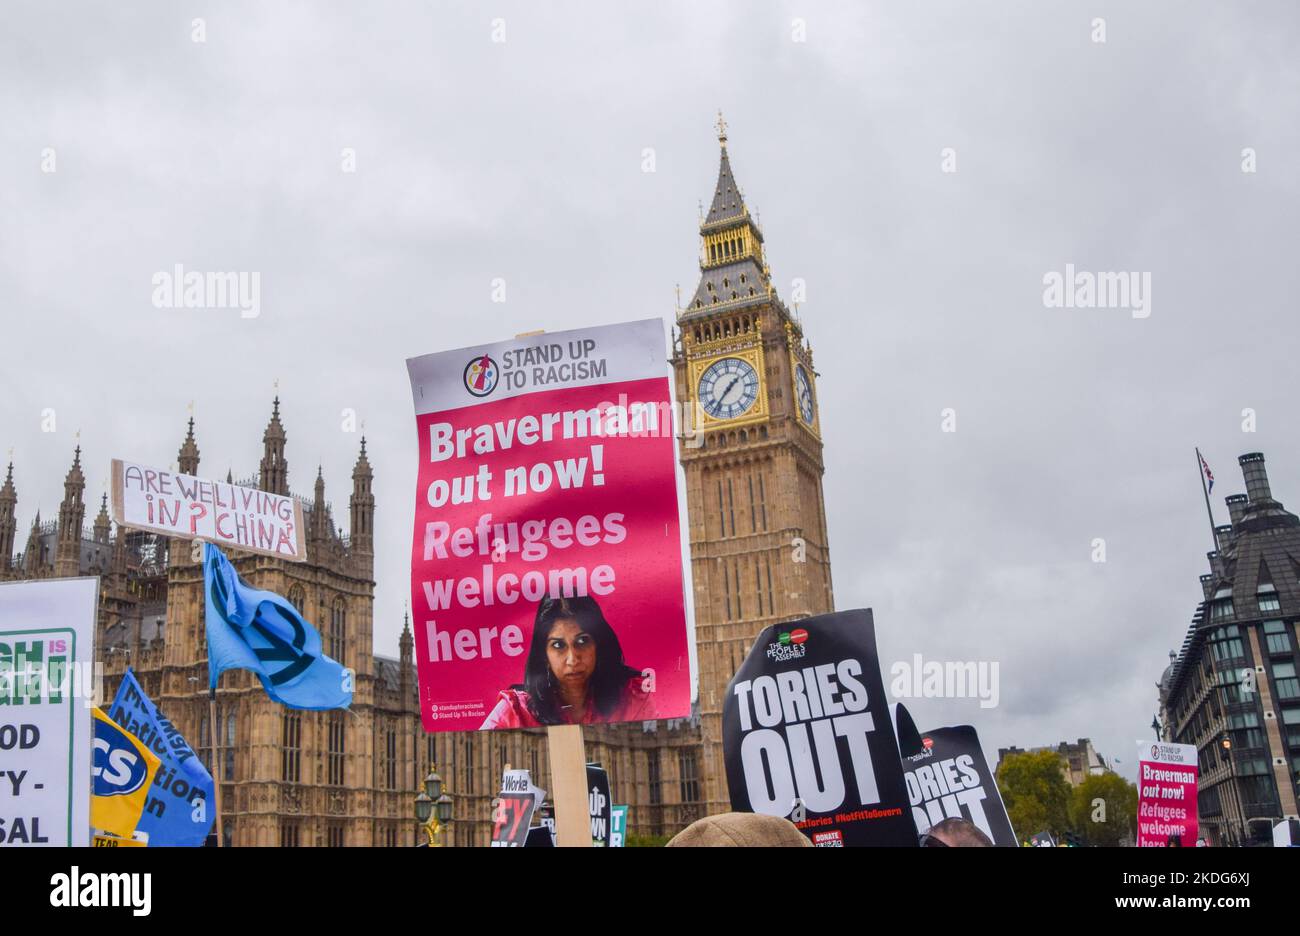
x=759, y=551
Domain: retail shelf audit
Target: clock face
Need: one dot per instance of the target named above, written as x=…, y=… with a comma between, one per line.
x=803, y=390
x=728, y=388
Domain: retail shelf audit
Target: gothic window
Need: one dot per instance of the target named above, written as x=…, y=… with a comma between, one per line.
x=722, y=515
x=390, y=762
x=735, y=571
x=338, y=630
x=726, y=587
x=335, y=835
x=298, y=597
x=228, y=759
x=731, y=507
x=762, y=502
x=655, y=780
x=771, y=605
x=205, y=744
x=758, y=591
x=227, y=834
x=291, y=746
x=688, y=774
x=288, y=834
x=336, y=749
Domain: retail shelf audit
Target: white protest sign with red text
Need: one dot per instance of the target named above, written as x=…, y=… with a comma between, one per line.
x=1166, y=794
x=226, y=515
x=547, y=468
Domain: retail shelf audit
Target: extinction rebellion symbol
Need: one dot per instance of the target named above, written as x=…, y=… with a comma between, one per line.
x=481, y=375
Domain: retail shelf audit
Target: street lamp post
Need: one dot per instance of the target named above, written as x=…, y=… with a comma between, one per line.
x=433, y=808
x=1226, y=743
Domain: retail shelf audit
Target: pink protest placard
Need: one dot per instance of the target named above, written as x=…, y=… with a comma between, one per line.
x=546, y=562
x=1166, y=795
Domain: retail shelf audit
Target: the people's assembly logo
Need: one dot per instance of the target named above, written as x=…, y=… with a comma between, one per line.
x=788, y=646
x=481, y=375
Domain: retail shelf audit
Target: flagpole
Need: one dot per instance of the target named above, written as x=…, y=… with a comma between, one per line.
x=198, y=553
x=1200, y=471
x=216, y=757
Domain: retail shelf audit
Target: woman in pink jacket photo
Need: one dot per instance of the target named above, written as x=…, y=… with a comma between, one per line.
x=574, y=674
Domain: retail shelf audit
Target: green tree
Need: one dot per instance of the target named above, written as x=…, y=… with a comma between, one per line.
x=1104, y=810
x=1036, y=793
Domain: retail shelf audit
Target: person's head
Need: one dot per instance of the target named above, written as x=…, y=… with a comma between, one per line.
x=955, y=833
x=574, y=653
x=740, y=830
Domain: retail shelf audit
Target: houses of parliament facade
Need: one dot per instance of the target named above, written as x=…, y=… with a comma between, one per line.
x=759, y=556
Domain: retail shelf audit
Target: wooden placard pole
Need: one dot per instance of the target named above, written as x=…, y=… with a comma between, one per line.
x=569, y=786
x=568, y=768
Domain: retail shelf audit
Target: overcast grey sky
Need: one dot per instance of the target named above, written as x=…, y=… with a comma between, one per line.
x=523, y=160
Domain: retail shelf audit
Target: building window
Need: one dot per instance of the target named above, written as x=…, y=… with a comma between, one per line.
x=291, y=748
x=688, y=774
x=227, y=835
x=771, y=605
x=1288, y=687
x=1275, y=635
x=1268, y=600
x=656, y=781
x=731, y=506
x=338, y=630
x=335, y=749
x=228, y=759
x=1221, y=608
x=334, y=835
x=1291, y=724
x=390, y=745
x=1230, y=649
x=205, y=745
x=288, y=834
x=298, y=598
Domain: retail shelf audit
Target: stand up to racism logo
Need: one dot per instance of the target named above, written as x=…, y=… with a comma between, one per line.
x=807, y=735
x=481, y=375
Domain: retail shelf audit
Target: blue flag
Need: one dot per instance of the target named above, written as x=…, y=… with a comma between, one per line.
x=261, y=631
x=179, y=810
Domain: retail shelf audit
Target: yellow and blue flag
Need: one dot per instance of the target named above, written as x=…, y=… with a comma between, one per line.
x=261, y=631
x=122, y=770
x=179, y=812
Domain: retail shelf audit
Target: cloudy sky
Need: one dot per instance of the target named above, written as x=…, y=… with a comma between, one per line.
x=523, y=159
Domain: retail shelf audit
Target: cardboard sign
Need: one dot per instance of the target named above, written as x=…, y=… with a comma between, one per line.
x=1167, y=812
x=599, y=805
x=547, y=472
x=106, y=840
x=947, y=777
x=618, y=828
x=511, y=818
x=47, y=632
x=806, y=734
x=542, y=835
x=181, y=505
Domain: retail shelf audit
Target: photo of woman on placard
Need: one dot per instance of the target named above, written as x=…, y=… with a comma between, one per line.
x=574, y=674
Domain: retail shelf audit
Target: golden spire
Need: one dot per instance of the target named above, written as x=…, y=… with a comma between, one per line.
x=722, y=130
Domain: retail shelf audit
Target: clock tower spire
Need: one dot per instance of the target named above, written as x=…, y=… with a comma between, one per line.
x=759, y=552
